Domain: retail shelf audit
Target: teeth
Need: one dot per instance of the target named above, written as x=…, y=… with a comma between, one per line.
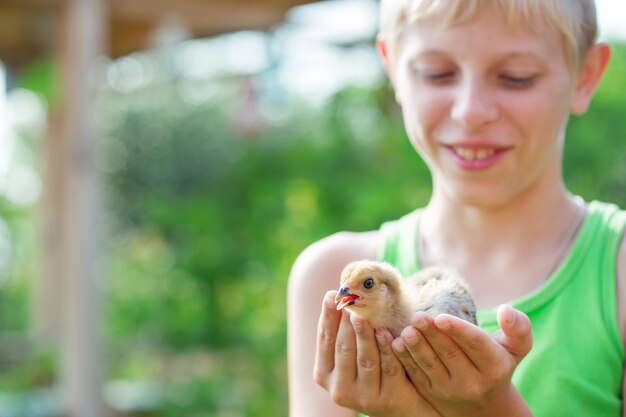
x=473, y=154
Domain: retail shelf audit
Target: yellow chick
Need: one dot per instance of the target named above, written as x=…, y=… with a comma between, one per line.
x=376, y=292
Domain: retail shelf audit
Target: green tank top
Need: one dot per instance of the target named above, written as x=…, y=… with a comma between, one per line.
x=575, y=367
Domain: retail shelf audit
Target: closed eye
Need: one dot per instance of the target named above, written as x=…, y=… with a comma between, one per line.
x=438, y=77
x=518, y=82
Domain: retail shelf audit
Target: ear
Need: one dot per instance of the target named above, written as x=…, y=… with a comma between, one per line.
x=589, y=77
x=383, y=52
x=385, y=56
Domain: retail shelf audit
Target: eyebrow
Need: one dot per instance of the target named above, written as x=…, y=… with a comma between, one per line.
x=429, y=52
x=521, y=55
x=435, y=53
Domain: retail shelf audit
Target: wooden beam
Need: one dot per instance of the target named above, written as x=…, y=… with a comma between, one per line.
x=25, y=33
x=28, y=26
x=31, y=4
x=202, y=18
x=209, y=15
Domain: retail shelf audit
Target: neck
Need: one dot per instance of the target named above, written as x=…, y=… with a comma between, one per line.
x=503, y=252
x=505, y=246
x=531, y=214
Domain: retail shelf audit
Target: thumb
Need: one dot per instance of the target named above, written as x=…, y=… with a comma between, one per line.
x=516, y=334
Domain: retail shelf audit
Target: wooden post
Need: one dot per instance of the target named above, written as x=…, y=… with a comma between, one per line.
x=48, y=290
x=81, y=43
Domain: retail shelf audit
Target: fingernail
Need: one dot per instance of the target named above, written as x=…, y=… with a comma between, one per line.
x=420, y=324
x=329, y=300
x=398, y=345
x=410, y=336
x=443, y=323
x=509, y=314
x=380, y=338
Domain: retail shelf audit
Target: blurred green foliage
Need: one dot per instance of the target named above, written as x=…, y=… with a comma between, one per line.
x=595, y=156
x=205, y=223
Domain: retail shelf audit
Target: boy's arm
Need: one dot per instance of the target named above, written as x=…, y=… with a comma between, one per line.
x=316, y=271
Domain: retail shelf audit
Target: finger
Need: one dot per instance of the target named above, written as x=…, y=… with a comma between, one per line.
x=418, y=377
x=327, y=328
x=453, y=358
x=418, y=340
x=345, y=352
x=477, y=345
x=516, y=336
x=390, y=366
x=367, y=355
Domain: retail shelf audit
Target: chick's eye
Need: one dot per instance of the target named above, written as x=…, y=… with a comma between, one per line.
x=368, y=283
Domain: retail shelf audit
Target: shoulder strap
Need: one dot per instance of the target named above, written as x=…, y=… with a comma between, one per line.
x=399, y=243
x=615, y=225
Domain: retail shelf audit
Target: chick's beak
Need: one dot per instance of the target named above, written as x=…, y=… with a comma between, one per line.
x=345, y=298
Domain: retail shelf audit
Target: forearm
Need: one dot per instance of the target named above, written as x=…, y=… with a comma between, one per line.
x=508, y=403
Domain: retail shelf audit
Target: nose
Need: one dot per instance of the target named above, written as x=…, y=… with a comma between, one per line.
x=473, y=105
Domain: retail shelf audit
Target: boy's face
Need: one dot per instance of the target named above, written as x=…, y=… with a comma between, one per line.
x=484, y=106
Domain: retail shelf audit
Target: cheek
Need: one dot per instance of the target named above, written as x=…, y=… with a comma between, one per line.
x=544, y=116
x=424, y=115
x=421, y=110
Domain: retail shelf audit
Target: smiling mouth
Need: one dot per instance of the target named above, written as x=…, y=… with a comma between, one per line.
x=473, y=154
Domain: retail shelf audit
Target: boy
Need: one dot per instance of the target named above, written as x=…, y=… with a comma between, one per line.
x=486, y=89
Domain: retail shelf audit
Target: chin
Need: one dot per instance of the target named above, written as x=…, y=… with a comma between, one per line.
x=482, y=193
x=486, y=197
x=478, y=201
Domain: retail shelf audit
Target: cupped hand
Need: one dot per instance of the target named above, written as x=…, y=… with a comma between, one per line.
x=460, y=369
x=358, y=367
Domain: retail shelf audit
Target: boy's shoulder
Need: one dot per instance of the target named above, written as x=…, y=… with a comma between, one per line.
x=321, y=263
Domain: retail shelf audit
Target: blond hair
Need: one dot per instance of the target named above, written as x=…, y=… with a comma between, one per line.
x=575, y=20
